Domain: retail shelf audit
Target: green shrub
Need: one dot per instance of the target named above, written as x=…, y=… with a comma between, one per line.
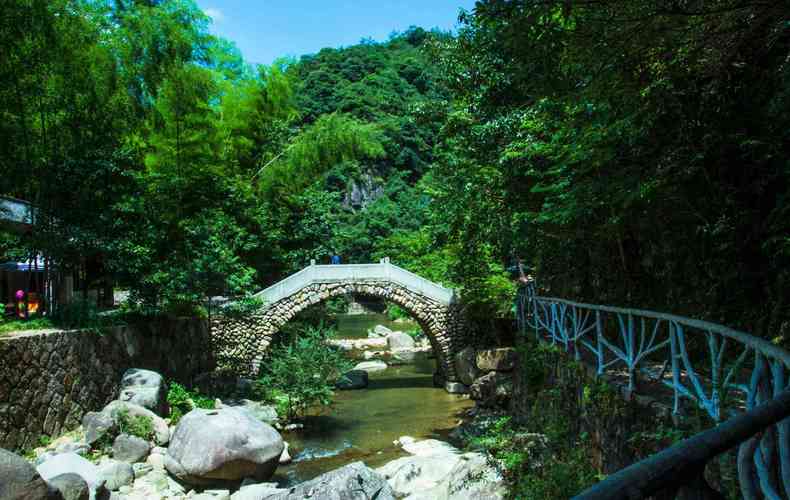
x=242, y=307
x=81, y=314
x=182, y=401
x=396, y=312
x=135, y=425
x=301, y=373
x=415, y=333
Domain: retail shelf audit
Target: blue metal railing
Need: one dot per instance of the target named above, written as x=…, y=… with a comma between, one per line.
x=738, y=376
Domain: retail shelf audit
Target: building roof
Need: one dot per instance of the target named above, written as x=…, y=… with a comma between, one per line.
x=23, y=266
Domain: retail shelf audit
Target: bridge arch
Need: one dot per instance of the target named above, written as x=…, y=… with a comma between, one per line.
x=241, y=343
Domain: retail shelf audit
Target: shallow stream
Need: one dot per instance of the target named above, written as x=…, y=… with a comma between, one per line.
x=362, y=424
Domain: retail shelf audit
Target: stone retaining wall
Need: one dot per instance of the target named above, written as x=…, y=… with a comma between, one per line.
x=48, y=381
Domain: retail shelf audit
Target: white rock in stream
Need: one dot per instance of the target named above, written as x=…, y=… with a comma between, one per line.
x=371, y=366
x=285, y=457
x=438, y=471
x=379, y=331
x=359, y=344
x=400, y=340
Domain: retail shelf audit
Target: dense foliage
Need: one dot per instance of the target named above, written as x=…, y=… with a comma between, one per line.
x=148, y=145
x=629, y=152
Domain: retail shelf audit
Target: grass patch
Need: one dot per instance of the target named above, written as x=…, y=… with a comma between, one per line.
x=19, y=325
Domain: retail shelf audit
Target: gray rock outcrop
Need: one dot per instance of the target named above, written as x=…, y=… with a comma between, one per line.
x=492, y=389
x=257, y=492
x=99, y=424
x=116, y=474
x=260, y=411
x=438, y=471
x=71, y=463
x=501, y=360
x=222, y=445
x=466, y=365
x=145, y=388
x=354, y=481
x=70, y=486
x=130, y=449
x=19, y=480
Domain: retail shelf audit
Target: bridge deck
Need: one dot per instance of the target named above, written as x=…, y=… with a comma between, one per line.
x=342, y=273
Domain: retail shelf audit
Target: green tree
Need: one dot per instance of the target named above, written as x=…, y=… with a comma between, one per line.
x=300, y=374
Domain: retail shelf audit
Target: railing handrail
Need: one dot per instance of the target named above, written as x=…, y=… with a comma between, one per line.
x=756, y=343
x=376, y=271
x=684, y=461
x=757, y=421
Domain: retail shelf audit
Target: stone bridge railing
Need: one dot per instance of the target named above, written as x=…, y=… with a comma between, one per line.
x=728, y=374
x=384, y=271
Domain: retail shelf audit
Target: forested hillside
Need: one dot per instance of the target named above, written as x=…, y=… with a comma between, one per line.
x=629, y=152
x=149, y=142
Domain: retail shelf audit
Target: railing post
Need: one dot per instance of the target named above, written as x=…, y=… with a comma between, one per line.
x=599, y=343
x=674, y=355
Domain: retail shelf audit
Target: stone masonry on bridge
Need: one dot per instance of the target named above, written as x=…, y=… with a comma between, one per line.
x=241, y=344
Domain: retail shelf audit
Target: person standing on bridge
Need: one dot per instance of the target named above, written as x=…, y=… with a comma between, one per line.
x=335, y=259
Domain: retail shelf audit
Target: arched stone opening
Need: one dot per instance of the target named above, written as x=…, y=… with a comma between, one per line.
x=241, y=344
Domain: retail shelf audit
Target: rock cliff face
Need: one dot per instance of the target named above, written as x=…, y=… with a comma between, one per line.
x=361, y=192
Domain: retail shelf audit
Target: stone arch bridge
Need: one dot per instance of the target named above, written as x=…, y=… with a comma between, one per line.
x=241, y=343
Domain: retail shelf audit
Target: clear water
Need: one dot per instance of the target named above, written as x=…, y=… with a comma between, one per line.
x=362, y=424
x=356, y=326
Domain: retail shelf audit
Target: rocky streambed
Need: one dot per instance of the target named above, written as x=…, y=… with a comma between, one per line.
x=388, y=440
x=230, y=453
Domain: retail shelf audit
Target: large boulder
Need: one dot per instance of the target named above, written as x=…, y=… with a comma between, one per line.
x=116, y=474
x=71, y=463
x=106, y=422
x=471, y=478
x=355, y=379
x=371, y=366
x=145, y=388
x=262, y=491
x=426, y=447
x=97, y=424
x=223, y=445
x=70, y=486
x=19, y=480
x=130, y=449
x=466, y=365
x=439, y=471
x=492, y=389
x=500, y=360
x=355, y=481
x=260, y=411
x=399, y=340
x=409, y=475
